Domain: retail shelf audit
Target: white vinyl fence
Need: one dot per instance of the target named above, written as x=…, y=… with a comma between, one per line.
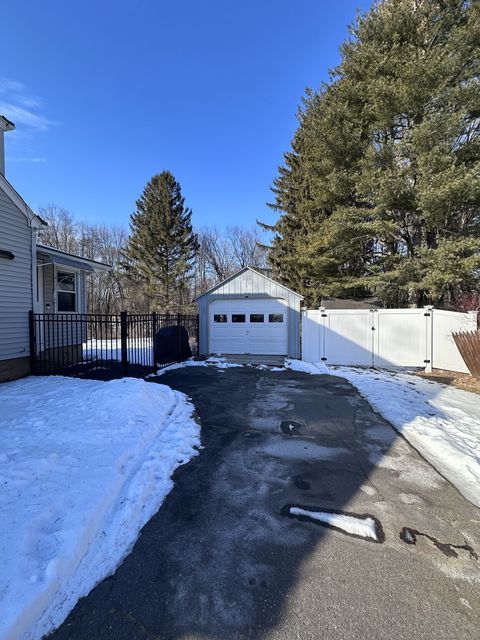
x=385, y=337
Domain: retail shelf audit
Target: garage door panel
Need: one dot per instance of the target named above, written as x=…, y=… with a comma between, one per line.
x=251, y=336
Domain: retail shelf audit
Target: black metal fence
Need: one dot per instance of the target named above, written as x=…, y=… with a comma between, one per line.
x=104, y=346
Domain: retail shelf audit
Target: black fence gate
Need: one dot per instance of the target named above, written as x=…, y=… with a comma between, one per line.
x=105, y=346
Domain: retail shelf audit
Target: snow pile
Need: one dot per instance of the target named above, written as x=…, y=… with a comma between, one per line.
x=441, y=422
x=219, y=363
x=307, y=367
x=84, y=465
x=362, y=526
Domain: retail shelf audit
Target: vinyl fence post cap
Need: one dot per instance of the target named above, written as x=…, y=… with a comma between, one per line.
x=429, y=307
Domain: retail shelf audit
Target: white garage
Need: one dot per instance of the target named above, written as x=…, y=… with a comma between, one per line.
x=249, y=313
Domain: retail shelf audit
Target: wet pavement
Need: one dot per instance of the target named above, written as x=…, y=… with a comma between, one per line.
x=221, y=561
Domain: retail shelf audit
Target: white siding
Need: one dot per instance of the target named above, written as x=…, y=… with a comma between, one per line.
x=15, y=281
x=249, y=283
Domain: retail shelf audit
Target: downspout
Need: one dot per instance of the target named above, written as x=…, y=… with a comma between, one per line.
x=34, y=268
x=33, y=306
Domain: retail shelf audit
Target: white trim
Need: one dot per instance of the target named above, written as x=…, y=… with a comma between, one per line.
x=39, y=303
x=76, y=273
x=39, y=307
x=33, y=270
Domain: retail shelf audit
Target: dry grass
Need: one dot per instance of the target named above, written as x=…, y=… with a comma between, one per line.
x=460, y=380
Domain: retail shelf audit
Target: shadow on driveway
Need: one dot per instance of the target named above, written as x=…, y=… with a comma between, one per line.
x=220, y=561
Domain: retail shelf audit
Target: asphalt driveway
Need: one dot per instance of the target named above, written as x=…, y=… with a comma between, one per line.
x=221, y=560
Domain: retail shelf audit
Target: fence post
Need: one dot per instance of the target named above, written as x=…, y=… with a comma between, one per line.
x=197, y=334
x=374, y=342
x=31, y=325
x=124, y=342
x=322, y=333
x=428, y=313
x=154, y=333
x=178, y=336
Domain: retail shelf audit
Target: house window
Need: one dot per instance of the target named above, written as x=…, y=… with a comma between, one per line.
x=220, y=317
x=66, y=291
x=238, y=317
x=275, y=317
x=256, y=317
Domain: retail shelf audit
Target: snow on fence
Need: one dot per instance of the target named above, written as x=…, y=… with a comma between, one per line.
x=385, y=337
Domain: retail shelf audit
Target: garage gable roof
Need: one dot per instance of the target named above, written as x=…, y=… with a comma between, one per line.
x=238, y=273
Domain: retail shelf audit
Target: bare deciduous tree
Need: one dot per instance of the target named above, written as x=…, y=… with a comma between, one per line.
x=246, y=246
x=220, y=255
x=62, y=229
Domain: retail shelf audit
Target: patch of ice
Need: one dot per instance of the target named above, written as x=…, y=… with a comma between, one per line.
x=226, y=365
x=410, y=498
x=368, y=489
x=302, y=449
x=363, y=526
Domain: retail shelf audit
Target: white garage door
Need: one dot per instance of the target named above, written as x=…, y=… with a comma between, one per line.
x=248, y=325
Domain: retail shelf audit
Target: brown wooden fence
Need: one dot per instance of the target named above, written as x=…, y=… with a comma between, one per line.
x=468, y=343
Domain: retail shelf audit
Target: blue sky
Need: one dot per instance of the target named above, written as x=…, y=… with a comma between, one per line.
x=105, y=94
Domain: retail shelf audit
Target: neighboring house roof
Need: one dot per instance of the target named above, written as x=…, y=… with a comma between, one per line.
x=56, y=256
x=34, y=219
x=239, y=272
x=350, y=303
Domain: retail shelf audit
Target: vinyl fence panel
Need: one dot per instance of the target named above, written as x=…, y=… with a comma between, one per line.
x=445, y=352
x=348, y=337
x=313, y=336
x=401, y=337
x=385, y=337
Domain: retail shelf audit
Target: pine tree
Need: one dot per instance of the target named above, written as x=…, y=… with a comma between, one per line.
x=162, y=246
x=390, y=152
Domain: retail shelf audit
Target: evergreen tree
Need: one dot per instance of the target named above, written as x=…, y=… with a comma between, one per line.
x=387, y=156
x=162, y=246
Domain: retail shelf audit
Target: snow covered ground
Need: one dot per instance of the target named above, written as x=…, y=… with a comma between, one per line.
x=139, y=350
x=219, y=363
x=83, y=466
x=441, y=422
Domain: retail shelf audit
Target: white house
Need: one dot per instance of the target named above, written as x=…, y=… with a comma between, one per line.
x=32, y=276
